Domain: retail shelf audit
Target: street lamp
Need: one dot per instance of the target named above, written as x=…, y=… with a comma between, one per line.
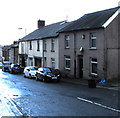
x=24, y=29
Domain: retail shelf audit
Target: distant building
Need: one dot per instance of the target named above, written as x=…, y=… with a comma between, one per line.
x=13, y=53
x=1, y=53
x=5, y=51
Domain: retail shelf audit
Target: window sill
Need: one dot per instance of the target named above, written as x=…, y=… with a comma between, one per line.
x=93, y=48
x=67, y=47
x=68, y=69
x=52, y=51
x=94, y=75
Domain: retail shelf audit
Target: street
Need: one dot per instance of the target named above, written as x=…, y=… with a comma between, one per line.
x=28, y=97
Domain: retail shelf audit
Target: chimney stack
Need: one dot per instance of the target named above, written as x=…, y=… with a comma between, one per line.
x=41, y=23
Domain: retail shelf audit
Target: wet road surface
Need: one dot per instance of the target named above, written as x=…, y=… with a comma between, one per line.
x=28, y=97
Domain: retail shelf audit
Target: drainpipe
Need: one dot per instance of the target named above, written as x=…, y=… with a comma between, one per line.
x=105, y=54
x=75, y=55
x=43, y=54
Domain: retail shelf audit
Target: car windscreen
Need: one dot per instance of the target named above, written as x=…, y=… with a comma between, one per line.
x=33, y=68
x=47, y=70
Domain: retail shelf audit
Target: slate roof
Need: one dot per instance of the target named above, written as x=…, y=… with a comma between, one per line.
x=91, y=20
x=45, y=31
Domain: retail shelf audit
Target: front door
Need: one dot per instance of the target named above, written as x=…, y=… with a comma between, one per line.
x=81, y=66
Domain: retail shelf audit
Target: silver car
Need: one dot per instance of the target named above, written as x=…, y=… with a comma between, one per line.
x=30, y=71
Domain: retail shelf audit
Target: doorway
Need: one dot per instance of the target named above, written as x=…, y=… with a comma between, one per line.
x=80, y=60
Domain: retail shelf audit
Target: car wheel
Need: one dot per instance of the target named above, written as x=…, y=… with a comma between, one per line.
x=30, y=76
x=37, y=77
x=11, y=71
x=24, y=75
x=43, y=79
x=58, y=80
x=3, y=70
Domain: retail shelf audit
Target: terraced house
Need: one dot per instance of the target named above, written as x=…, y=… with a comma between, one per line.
x=89, y=46
x=85, y=48
x=41, y=48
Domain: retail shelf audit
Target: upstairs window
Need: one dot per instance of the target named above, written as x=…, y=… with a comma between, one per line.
x=38, y=45
x=93, y=40
x=52, y=45
x=30, y=45
x=45, y=45
x=67, y=41
x=22, y=47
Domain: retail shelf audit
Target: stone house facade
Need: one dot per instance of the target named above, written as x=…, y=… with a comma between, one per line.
x=89, y=46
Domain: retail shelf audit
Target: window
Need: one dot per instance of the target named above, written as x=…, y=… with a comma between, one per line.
x=52, y=45
x=53, y=63
x=30, y=45
x=67, y=62
x=30, y=61
x=22, y=47
x=67, y=41
x=94, y=65
x=45, y=45
x=93, y=40
x=38, y=45
x=45, y=61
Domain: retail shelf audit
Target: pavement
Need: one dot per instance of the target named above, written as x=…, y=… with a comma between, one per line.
x=107, y=85
x=8, y=108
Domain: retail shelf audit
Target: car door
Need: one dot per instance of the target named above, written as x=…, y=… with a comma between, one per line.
x=27, y=72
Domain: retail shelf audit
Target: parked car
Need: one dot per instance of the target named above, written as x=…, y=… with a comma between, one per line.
x=48, y=74
x=6, y=66
x=1, y=65
x=30, y=71
x=15, y=68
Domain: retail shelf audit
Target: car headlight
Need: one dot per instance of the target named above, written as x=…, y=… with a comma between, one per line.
x=48, y=75
x=58, y=75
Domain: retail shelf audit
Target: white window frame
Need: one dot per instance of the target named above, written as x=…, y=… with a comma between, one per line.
x=22, y=47
x=96, y=63
x=92, y=39
x=52, y=45
x=38, y=45
x=30, y=45
x=67, y=58
x=45, y=45
x=67, y=41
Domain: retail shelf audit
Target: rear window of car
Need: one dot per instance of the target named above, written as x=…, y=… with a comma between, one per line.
x=16, y=65
x=7, y=63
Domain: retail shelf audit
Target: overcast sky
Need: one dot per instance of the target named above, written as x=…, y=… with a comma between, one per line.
x=24, y=14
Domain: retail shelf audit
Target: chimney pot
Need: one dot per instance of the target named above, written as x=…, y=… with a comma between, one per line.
x=41, y=23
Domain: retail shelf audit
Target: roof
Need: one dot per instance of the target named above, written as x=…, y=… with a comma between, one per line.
x=48, y=31
x=91, y=20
